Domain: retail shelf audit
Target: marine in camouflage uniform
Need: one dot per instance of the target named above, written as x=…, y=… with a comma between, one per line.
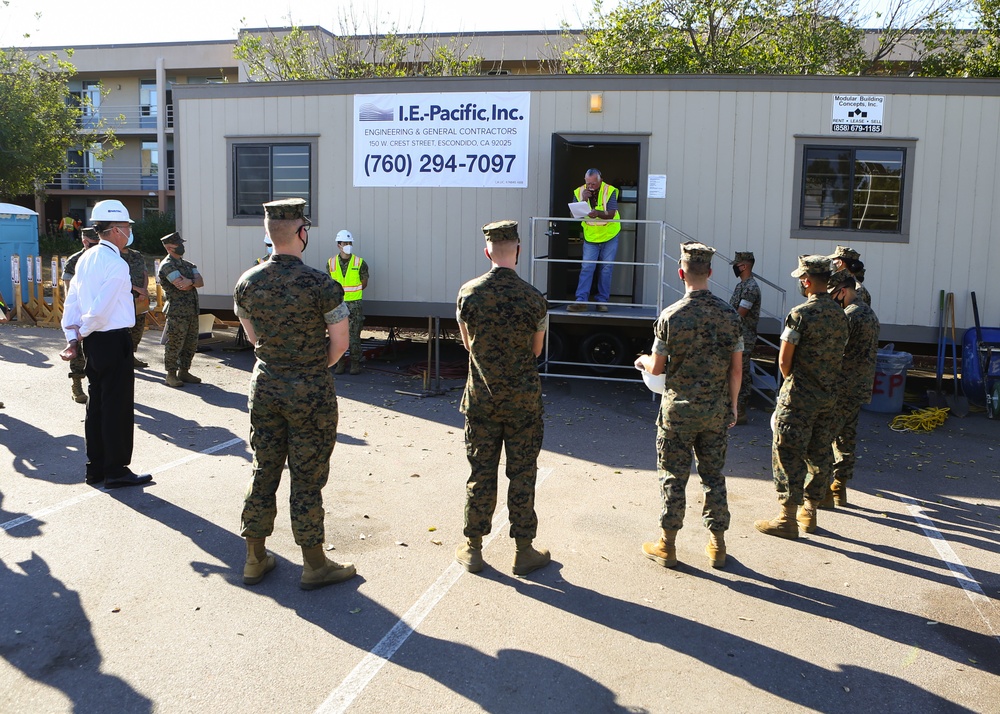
x=502, y=321
x=78, y=365
x=857, y=375
x=181, y=309
x=811, y=356
x=850, y=259
x=140, y=279
x=698, y=342
x=746, y=301
x=290, y=310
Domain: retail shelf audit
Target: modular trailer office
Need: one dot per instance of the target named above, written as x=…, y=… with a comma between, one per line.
x=904, y=170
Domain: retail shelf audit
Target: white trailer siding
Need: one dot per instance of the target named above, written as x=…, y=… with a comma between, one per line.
x=727, y=146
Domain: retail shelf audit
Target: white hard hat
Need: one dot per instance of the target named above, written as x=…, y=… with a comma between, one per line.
x=345, y=237
x=112, y=211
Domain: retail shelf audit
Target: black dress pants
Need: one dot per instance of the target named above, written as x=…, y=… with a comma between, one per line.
x=110, y=418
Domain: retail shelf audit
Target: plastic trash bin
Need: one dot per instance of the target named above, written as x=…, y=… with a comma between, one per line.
x=890, y=381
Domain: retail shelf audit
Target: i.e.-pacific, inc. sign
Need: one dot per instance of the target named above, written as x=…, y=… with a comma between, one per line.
x=857, y=113
x=467, y=140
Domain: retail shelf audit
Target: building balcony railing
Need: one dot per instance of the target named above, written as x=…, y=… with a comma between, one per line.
x=109, y=179
x=125, y=117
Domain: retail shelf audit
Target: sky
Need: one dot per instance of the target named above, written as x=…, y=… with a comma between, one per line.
x=63, y=23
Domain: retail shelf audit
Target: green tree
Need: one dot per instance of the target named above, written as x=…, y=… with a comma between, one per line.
x=754, y=36
x=298, y=53
x=973, y=53
x=39, y=127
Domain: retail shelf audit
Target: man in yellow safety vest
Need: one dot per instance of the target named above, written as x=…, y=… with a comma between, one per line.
x=600, y=240
x=351, y=271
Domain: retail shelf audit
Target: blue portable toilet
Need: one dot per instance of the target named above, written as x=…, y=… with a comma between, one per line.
x=18, y=236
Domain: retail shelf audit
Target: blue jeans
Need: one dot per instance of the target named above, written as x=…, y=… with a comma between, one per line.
x=605, y=253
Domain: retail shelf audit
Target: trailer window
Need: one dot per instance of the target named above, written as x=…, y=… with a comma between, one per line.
x=852, y=188
x=269, y=172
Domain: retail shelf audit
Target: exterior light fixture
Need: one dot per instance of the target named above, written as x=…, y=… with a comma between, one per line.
x=596, y=102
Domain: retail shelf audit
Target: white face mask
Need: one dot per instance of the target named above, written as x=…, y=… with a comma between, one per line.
x=130, y=238
x=346, y=249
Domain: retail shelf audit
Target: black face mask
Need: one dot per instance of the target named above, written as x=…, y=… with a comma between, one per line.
x=802, y=289
x=179, y=250
x=737, y=271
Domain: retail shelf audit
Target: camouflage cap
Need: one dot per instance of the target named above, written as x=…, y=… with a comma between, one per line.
x=840, y=279
x=845, y=253
x=287, y=209
x=500, y=231
x=743, y=256
x=694, y=252
x=812, y=265
x=172, y=239
x=89, y=233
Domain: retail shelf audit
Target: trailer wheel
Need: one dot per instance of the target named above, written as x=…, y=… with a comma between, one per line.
x=556, y=346
x=602, y=351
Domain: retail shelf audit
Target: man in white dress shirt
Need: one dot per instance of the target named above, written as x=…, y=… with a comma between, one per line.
x=97, y=316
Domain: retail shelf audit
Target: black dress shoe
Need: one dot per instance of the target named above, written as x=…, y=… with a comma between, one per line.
x=129, y=479
x=95, y=479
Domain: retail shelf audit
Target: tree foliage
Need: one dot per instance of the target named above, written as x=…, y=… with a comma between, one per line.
x=38, y=127
x=967, y=54
x=299, y=53
x=777, y=37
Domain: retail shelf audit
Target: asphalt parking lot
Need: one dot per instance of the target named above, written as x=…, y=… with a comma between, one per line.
x=132, y=600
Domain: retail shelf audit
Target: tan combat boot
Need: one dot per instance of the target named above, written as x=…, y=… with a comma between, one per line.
x=339, y=369
x=355, y=367
x=663, y=551
x=186, y=376
x=470, y=555
x=171, y=379
x=527, y=559
x=828, y=503
x=806, y=516
x=259, y=562
x=716, y=549
x=839, y=490
x=79, y=396
x=319, y=571
x=784, y=526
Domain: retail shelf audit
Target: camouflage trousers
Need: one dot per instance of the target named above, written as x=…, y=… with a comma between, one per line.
x=355, y=320
x=138, y=330
x=845, y=423
x=673, y=466
x=747, y=383
x=296, y=422
x=801, y=455
x=521, y=439
x=182, y=341
x=78, y=365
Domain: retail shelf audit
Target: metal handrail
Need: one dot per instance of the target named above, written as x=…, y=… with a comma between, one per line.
x=537, y=259
x=110, y=178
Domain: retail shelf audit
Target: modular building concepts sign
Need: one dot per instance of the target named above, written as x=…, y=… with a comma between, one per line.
x=442, y=140
x=857, y=113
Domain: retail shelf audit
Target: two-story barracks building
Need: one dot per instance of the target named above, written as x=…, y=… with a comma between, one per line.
x=903, y=170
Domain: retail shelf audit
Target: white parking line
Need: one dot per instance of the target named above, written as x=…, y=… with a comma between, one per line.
x=355, y=682
x=984, y=606
x=48, y=510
